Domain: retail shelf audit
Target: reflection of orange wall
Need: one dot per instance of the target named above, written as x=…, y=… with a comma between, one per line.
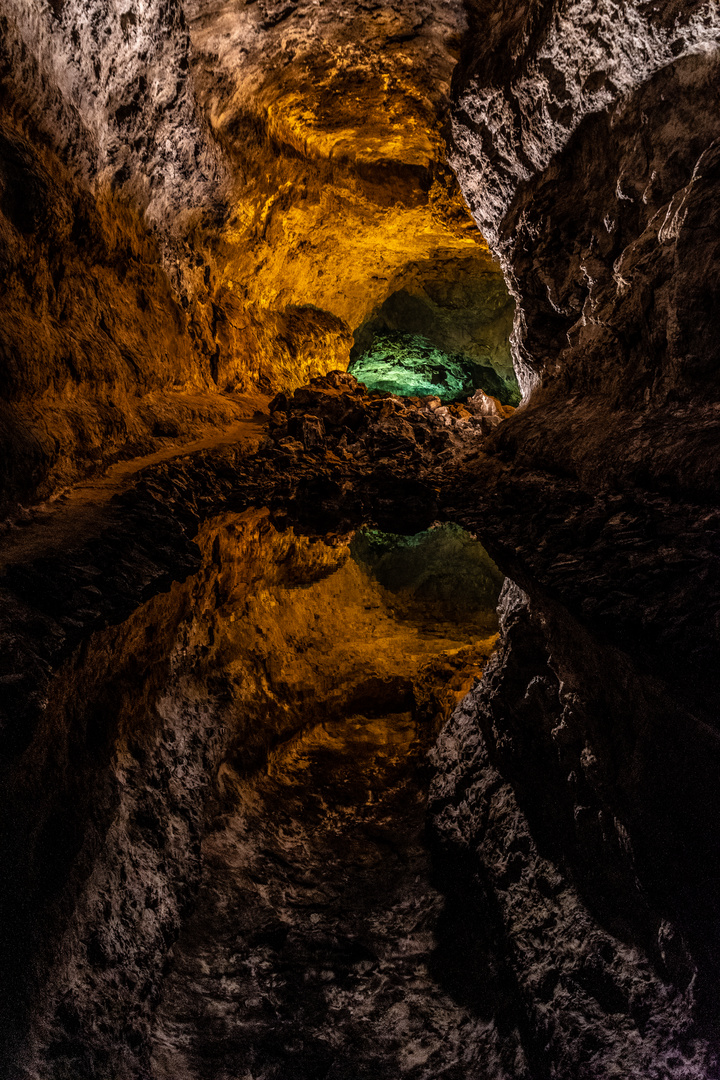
x=272, y=634
x=298, y=628
x=146, y=726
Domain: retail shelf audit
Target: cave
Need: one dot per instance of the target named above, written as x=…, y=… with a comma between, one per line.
x=446, y=332
x=359, y=515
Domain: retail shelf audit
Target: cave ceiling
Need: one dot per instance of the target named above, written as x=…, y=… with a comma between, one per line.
x=235, y=582
x=256, y=178
x=330, y=117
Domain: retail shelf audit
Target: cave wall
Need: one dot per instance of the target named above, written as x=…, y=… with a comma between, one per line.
x=573, y=807
x=536, y=83
x=575, y=792
x=578, y=783
x=124, y=763
x=97, y=350
x=331, y=118
x=111, y=92
x=107, y=164
x=200, y=203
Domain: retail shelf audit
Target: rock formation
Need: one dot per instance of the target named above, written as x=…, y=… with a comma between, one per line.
x=205, y=211
x=203, y=201
x=583, y=772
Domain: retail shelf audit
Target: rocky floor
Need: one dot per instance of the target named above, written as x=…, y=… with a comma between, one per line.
x=85, y=510
x=311, y=951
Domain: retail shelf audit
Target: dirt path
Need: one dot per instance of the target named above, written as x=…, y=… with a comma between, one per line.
x=84, y=510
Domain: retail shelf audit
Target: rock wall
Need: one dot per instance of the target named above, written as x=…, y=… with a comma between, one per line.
x=576, y=786
x=206, y=202
x=571, y=795
x=106, y=164
x=110, y=90
x=177, y=226
x=331, y=117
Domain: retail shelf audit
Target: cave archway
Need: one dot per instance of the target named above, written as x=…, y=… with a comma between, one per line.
x=444, y=330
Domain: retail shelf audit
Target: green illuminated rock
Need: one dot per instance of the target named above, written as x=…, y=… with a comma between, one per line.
x=410, y=365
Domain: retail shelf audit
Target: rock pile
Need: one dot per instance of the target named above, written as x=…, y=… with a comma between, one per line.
x=341, y=455
x=338, y=417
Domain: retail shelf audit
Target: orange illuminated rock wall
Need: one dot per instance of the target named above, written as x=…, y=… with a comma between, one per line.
x=342, y=196
x=201, y=202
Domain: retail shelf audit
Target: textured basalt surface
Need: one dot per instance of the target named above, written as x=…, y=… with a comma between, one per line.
x=107, y=163
x=569, y=816
x=576, y=786
x=201, y=200
x=198, y=201
x=315, y=928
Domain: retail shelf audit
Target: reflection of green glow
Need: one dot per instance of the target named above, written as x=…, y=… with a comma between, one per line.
x=443, y=568
x=409, y=365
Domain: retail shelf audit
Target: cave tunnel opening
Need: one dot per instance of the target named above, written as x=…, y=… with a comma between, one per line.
x=445, y=333
x=410, y=365
x=444, y=568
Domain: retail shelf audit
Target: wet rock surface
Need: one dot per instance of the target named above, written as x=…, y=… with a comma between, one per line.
x=311, y=952
x=359, y=450
x=613, y=842
x=159, y=688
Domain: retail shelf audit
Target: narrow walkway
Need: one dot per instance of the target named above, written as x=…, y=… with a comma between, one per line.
x=309, y=953
x=84, y=510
